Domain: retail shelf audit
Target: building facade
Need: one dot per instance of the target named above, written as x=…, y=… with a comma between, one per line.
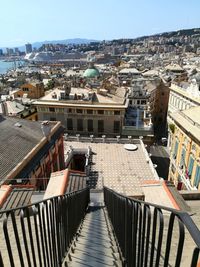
x=184, y=168
x=180, y=98
x=33, y=151
x=84, y=111
x=32, y=90
x=28, y=48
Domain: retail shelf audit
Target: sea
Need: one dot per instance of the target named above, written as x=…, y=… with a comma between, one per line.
x=5, y=66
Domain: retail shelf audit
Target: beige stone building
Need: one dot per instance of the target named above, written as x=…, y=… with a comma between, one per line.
x=85, y=111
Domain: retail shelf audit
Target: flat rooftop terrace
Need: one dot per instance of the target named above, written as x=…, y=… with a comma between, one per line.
x=115, y=167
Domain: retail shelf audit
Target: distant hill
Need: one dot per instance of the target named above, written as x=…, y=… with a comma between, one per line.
x=178, y=33
x=66, y=41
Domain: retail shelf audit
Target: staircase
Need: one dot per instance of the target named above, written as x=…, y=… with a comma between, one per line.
x=94, y=244
x=66, y=231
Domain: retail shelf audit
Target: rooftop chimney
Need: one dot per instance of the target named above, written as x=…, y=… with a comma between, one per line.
x=46, y=128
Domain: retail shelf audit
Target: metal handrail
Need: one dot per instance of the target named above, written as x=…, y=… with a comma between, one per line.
x=139, y=227
x=40, y=234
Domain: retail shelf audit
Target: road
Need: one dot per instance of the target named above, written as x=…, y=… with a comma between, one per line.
x=160, y=157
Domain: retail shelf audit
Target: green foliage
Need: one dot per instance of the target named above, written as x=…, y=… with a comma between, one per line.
x=50, y=84
x=172, y=127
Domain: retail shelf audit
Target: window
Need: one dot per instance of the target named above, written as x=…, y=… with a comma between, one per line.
x=89, y=111
x=52, y=119
x=116, y=126
x=100, y=126
x=197, y=177
x=116, y=112
x=143, y=102
x=25, y=89
x=69, y=124
x=52, y=109
x=69, y=110
x=130, y=102
x=100, y=111
x=90, y=125
x=79, y=111
x=182, y=162
x=175, y=150
x=60, y=110
x=163, y=93
x=190, y=166
x=79, y=125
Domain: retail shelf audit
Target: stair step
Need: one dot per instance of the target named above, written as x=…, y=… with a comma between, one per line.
x=79, y=263
x=92, y=234
x=95, y=244
x=99, y=254
x=95, y=240
x=84, y=257
x=95, y=250
x=96, y=247
x=97, y=227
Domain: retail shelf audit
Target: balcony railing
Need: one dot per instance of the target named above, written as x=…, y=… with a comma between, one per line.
x=152, y=235
x=40, y=234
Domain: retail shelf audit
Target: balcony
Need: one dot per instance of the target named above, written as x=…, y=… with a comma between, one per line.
x=140, y=130
x=181, y=172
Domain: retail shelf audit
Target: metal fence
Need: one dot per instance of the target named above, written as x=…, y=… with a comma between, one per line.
x=40, y=234
x=152, y=235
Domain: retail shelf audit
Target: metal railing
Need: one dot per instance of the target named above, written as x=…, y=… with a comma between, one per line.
x=152, y=235
x=40, y=234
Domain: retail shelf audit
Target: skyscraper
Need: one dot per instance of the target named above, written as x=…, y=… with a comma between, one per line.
x=28, y=48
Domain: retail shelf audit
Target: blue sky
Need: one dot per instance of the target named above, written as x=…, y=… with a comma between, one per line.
x=38, y=20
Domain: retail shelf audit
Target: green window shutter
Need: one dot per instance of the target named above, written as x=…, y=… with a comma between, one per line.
x=190, y=166
x=197, y=177
x=182, y=162
x=175, y=149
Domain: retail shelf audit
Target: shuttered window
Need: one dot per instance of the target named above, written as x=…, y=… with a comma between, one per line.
x=197, y=177
x=175, y=149
x=182, y=162
x=190, y=166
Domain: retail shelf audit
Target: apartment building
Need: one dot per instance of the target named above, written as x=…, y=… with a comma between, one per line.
x=85, y=111
x=184, y=168
x=183, y=96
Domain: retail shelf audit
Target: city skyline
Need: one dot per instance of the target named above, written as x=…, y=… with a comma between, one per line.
x=103, y=20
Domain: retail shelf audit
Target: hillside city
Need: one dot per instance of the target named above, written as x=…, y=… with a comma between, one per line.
x=120, y=117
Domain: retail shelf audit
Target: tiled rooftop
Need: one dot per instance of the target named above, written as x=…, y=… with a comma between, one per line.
x=17, y=138
x=115, y=167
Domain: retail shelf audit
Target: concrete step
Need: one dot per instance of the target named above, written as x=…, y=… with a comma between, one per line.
x=84, y=257
x=94, y=245
x=95, y=235
x=79, y=263
x=97, y=248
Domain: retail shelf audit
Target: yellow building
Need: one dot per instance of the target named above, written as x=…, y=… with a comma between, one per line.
x=184, y=168
x=33, y=90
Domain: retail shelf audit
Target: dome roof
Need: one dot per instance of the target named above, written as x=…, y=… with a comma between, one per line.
x=91, y=73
